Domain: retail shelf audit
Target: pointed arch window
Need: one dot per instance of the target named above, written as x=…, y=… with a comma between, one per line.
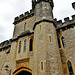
x=19, y=51
x=63, y=42
x=25, y=44
x=70, y=68
x=31, y=45
x=25, y=26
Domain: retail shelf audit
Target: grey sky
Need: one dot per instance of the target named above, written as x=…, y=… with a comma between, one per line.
x=9, y=9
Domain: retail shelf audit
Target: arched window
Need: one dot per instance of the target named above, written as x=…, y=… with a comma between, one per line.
x=31, y=44
x=70, y=68
x=25, y=26
x=25, y=43
x=63, y=42
x=19, y=47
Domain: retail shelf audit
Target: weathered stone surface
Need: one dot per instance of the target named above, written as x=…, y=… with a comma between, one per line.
x=46, y=58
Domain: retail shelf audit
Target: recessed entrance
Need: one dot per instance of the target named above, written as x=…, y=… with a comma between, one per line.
x=24, y=73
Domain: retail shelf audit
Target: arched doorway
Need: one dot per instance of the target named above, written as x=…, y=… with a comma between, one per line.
x=24, y=73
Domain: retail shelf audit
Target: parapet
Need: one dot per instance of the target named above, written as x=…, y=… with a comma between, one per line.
x=23, y=16
x=34, y=2
x=66, y=24
x=58, y=23
x=5, y=44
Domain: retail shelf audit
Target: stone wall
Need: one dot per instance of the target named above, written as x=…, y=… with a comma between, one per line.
x=20, y=27
x=69, y=36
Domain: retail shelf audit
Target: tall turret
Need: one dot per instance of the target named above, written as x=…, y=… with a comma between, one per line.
x=46, y=51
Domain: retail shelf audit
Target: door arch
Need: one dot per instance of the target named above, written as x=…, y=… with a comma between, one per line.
x=23, y=71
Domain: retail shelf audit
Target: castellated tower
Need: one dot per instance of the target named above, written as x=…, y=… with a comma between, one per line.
x=40, y=45
x=46, y=51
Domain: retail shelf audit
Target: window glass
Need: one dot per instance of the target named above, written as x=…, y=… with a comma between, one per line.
x=25, y=26
x=70, y=68
x=19, y=47
x=25, y=43
x=63, y=42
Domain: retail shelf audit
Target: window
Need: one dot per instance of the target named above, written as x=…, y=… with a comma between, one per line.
x=41, y=65
x=63, y=42
x=25, y=26
x=40, y=27
x=70, y=68
x=50, y=38
x=19, y=47
x=25, y=43
x=59, y=43
x=31, y=44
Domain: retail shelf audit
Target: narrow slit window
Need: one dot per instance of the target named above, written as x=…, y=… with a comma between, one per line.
x=31, y=45
x=63, y=42
x=50, y=38
x=40, y=27
x=19, y=51
x=25, y=44
x=70, y=68
x=25, y=26
x=41, y=65
x=59, y=43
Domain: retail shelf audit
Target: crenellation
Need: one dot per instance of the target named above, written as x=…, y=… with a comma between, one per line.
x=31, y=11
x=58, y=23
x=61, y=24
x=73, y=17
x=16, y=18
x=27, y=13
x=55, y=20
x=5, y=43
x=66, y=19
x=73, y=5
x=23, y=16
x=34, y=2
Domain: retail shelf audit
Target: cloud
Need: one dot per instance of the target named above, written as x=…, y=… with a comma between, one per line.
x=2, y=38
x=9, y=9
x=63, y=8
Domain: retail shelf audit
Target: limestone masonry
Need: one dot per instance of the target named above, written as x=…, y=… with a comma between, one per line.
x=40, y=45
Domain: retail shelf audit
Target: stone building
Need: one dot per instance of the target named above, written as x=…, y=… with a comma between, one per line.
x=40, y=45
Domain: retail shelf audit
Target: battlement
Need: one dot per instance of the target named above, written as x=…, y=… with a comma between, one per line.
x=5, y=44
x=73, y=5
x=23, y=16
x=34, y=2
x=67, y=22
